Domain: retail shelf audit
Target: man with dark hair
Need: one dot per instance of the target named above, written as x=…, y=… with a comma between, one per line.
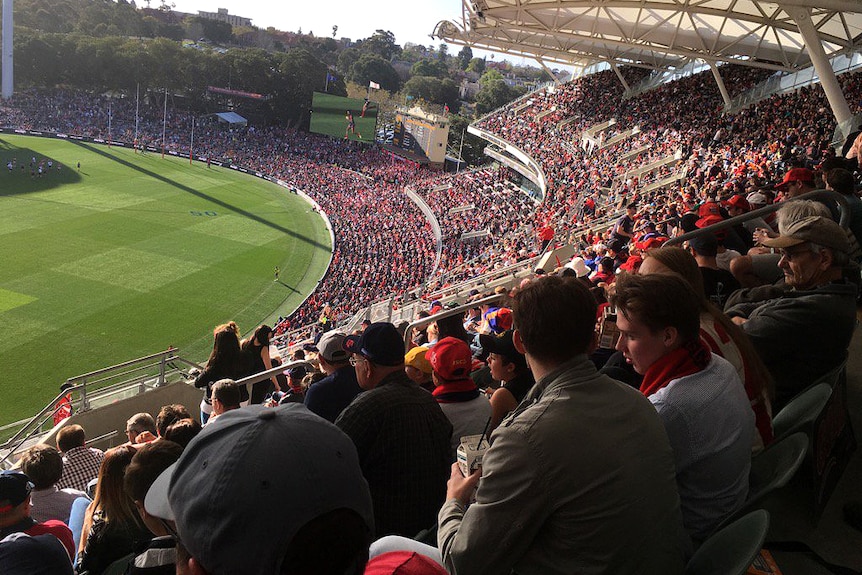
x=698, y=395
x=43, y=464
x=804, y=331
x=158, y=556
x=15, y=490
x=141, y=428
x=225, y=495
x=401, y=434
x=80, y=463
x=841, y=181
x=580, y=477
x=329, y=396
x=169, y=414
x=183, y=431
x=624, y=228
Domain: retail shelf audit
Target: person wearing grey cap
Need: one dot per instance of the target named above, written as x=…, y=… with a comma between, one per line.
x=400, y=432
x=329, y=396
x=267, y=490
x=802, y=332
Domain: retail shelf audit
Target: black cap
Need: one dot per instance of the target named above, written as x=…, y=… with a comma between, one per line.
x=380, y=343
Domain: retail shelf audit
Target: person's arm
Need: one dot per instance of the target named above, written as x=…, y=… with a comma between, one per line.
x=267, y=363
x=512, y=505
x=502, y=403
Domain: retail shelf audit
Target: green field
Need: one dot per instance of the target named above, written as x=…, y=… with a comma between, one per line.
x=134, y=253
x=329, y=114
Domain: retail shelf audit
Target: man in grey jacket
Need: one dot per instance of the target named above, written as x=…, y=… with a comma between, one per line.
x=803, y=332
x=580, y=477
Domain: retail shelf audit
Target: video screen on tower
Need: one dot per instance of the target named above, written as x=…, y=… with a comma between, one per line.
x=340, y=117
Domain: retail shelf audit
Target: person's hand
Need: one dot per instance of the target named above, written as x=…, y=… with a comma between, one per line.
x=460, y=487
x=738, y=320
x=145, y=437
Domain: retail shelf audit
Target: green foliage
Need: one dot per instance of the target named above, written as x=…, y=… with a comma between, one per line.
x=494, y=94
x=426, y=67
x=473, y=149
x=434, y=91
x=489, y=76
x=464, y=57
x=373, y=68
x=476, y=65
x=382, y=43
x=214, y=30
x=301, y=74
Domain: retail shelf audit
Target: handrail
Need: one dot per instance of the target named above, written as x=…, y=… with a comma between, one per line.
x=817, y=195
x=447, y=313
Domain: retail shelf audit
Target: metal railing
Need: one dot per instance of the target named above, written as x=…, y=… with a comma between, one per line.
x=448, y=313
x=99, y=388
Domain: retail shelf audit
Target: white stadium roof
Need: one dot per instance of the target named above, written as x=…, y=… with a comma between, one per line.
x=659, y=34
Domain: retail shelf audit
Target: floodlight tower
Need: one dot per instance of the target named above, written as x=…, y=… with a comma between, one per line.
x=6, y=90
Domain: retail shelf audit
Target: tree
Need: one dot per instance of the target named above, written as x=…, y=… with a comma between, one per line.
x=491, y=75
x=476, y=65
x=426, y=67
x=300, y=75
x=443, y=52
x=464, y=57
x=215, y=31
x=494, y=94
x=347, y=59
x=382, y=43
x=434, y=91
x=373, y=68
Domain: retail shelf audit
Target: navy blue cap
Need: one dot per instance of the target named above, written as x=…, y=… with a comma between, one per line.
x=380, y=343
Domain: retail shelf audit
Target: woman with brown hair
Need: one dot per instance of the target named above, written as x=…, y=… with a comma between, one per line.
x=256, y=351
x=225, y=362
x=722, y=336
x=112, y=526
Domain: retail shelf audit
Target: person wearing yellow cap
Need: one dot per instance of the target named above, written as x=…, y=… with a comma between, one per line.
x=418, y=368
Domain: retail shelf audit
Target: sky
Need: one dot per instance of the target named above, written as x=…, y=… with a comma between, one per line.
x=410, y=20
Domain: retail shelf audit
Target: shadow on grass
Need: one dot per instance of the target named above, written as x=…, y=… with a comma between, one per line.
x=18, y=181
x=104, y=152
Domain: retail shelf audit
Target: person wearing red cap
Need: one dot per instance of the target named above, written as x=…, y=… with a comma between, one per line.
x=797, y=181
x=459, y=398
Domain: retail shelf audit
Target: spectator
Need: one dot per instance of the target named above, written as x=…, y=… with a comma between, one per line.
x=401, y=434
x=158, y=556
x=23, y=554
x=256, y=351
x=225, y=361
x=418, y=368
x=718, y=284
x=842, y=181
x=225, y=397
x=141, y=425
x=43, y=465
x=112, y=527
x=509, y=367
x=182, y=431
x=15, y=490
x=698, y=395
x=467, y=410
x=80, y=463
x=248, y=456
x=170, y=414
x=329, y=396
x=605, y=505
x=797, y=181
x=803, y=331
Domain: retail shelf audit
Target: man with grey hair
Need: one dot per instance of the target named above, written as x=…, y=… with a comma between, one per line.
x=141, y=428
x=802, y=331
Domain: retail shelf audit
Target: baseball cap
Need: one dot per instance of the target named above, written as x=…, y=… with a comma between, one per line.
x=24, y=554
x=500, y=344
x=739, y=201
x=229, y=493
x=330, y=347
x=632, y=264
x=14, y=489
x=815, y=229
x=501, y=320
x=796, y=175
x=417, y=358
x=709, y=209
x=380, y=343
x=451, y=359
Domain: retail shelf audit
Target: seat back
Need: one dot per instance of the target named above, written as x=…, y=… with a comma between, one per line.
x=802, y=410
x=774, y=467
x=731, y=550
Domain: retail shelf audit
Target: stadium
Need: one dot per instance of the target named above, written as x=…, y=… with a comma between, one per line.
x=134, y=224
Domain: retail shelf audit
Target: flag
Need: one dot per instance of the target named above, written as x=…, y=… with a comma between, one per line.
x=374, y=85
x=445, y=109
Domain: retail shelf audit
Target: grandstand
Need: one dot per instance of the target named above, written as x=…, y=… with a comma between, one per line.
x=626, y=132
